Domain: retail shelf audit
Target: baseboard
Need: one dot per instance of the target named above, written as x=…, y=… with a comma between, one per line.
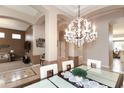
x=34, y=65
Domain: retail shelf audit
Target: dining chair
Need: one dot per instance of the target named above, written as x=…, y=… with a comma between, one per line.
x=67, y=65
x=48, y=71
x=94, y=63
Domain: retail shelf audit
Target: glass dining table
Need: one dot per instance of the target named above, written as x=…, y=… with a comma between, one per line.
x=107, y=78
x=52, y=82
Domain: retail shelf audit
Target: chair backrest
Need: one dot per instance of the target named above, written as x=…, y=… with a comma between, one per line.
x=92, y=62
x=48, y=69
x=66, y=64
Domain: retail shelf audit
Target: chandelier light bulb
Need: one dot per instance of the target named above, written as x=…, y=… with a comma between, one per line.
x=94, y=28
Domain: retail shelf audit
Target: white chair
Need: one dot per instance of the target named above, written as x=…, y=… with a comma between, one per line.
x=65, y=64
x=45, y=69
x=96, y=62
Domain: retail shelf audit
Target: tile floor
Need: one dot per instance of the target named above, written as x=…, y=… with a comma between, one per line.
x=18, y=77
x=14, y=74
x=12, y=66
x=11, y=76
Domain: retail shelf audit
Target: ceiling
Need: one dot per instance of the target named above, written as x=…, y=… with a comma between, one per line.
x=72, y=10
x=20, y=17
x=23, y=9
x=13, y=24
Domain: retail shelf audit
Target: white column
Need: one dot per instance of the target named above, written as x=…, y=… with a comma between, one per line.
x=51, y=36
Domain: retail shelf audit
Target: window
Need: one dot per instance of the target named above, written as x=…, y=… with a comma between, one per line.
x=16, y=36
x=2, y=35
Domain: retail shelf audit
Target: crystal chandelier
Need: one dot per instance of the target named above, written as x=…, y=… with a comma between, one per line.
x=79, y=31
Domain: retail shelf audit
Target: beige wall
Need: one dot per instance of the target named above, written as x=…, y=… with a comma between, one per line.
x=35, y=59
x=29, y=37
x=99, y=50
x=78, y=51
x=63, y=46
x=38, y=32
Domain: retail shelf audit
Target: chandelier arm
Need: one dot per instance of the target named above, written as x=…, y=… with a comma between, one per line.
x=80, y=31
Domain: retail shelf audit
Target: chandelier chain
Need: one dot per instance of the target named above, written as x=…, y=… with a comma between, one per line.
x=78, y=11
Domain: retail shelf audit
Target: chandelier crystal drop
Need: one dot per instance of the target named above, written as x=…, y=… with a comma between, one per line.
x=79, y=31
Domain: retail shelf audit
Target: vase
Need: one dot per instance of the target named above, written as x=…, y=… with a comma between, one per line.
x=78, y=79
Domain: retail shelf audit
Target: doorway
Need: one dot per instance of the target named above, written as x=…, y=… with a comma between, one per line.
x=117, y=60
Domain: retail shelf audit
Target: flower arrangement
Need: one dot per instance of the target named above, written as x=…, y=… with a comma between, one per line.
x=79, y=72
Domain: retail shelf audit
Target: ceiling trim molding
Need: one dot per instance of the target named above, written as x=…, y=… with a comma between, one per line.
x=118, y=35
x=8, y=17
x=104, y=11
x=10, y=13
